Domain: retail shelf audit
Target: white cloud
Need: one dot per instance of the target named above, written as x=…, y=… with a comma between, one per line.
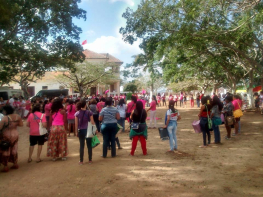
x=130, y=2
x=89, y=33
x=115, y=46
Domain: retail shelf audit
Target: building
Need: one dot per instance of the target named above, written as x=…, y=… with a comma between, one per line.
x=49, y=80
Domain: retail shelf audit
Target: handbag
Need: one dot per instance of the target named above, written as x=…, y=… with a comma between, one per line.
x=42, y=130
x=210, y=123
x=91, y=131
x=217, y=121
x=196, y=126
x=95, y=141
x=238, y=113
x=4, y=144
x=135, y=126
x=230, y=120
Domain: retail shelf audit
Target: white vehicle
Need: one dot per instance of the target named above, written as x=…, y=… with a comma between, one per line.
x=6, y=93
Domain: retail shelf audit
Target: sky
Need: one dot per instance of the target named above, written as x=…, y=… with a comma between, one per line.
x=101, y=28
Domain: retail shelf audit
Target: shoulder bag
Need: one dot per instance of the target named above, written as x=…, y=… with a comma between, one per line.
x=42, y=130
x=238, y=113
x=209, y=119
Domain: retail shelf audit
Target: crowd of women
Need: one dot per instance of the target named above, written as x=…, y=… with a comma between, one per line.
x=64, y=116
x=214, y=112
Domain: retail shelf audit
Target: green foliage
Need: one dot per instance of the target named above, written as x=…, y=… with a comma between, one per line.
x=86, y=75
x=215, y=42
x=129, y=95
x=131, y=87
x=37, y=36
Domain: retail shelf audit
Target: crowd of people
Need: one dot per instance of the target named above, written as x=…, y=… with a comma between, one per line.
x=63, y=116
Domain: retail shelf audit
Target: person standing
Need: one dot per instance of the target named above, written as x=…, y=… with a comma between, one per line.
x=131, y=106
x=181, y=99
x=152, y=110
x=217, y=107
x=171, y=124
x=198, y=100
x=228, y=112
x=185, y=100
x=109, y=116
x=192, y=100
x=83, y=117
x=121, y=107
x=139, y=116
x=237, y=103
x=57, y=141
x=159, y=99
x=175, y=99
x=204, y=113
x=163, y=99
x=93, y=108
x=71, y=110
x=8, y=125
x=33, y=122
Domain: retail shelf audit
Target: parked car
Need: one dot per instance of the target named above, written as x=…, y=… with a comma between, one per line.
x=6, y=93
x=51, y=93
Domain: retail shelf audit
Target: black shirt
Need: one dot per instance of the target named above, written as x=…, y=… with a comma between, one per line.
x=136, y=117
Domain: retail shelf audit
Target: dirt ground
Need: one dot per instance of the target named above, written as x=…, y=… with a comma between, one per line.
x=233, y=169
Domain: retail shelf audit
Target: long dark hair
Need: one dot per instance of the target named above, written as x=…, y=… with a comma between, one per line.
x=36, y=107
x=81, y=104
x=57, y=105
x=121, y=102
x=71, y=104
x=45, y=102
x=139, y=108
x=154, y=98
x=216, y=101
x=206, y=100
x=134, y=99
x=171, y=106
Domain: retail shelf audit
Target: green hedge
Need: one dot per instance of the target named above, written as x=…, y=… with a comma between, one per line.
x=129, y=95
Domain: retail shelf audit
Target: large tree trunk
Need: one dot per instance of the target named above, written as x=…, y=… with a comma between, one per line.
x=250, y=89
x=24, y=87
x=81, y=92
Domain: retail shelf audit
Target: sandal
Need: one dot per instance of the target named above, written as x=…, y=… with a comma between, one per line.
x=39, y=160
x=29, y=160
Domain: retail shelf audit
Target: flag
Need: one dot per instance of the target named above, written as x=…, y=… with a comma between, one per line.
x=84, y=42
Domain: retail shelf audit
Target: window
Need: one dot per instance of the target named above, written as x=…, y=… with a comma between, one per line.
x=44, y=87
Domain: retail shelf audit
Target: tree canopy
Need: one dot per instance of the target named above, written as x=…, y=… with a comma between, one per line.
x=38, y=35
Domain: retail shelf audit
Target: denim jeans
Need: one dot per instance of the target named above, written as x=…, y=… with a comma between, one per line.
x=82, y=138
x=181, y=102
x=239, y=127
x=121, y=122
x=109, y=132
x=205, y=130
x=97, y=122
x=198, y=103
x=172, y=126
x=216, y=132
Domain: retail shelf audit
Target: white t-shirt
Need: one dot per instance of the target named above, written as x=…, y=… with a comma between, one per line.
x=122, y=110
x=173, y=116
x=11, y=101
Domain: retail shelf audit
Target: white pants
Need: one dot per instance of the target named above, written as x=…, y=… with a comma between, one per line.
x=152, y=118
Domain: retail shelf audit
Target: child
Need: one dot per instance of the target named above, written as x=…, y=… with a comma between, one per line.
x=171, y=125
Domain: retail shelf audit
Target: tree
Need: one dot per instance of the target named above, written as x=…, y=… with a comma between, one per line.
x=131, y=87
x=85, y=75
x=37, y=36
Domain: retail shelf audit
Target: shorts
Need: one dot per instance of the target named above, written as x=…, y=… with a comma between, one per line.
x=36, y=139
x=71, y=121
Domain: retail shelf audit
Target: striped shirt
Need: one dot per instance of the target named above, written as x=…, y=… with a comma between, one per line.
x=109, y=115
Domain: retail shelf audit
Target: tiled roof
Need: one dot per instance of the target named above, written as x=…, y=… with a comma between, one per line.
x=108, y=57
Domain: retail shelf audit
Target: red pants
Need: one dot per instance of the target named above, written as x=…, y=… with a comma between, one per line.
x=192, y=103
x=143, y=144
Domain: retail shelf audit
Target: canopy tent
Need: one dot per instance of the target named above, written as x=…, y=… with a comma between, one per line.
x=256, y=89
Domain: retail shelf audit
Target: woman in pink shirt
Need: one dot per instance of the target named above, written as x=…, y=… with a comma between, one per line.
x=71, y=110
x=47, y=112
x=101, y=104
x=57, y=141
x=130, y=107
x=35, y=138
x=152, y=110
x=237, y=105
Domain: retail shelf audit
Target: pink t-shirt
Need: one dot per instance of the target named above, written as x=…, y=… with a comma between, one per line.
x=34, y=122
x=153, y=106
x=171, y=98
x=58, y=119
x=72, y=112
x=48, y=109
x=237, y=104
x=100, y=105
x=16, y=104
x=28, y=105
x=131, y=106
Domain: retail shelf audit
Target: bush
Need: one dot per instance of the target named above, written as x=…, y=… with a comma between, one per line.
x=129, y=95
